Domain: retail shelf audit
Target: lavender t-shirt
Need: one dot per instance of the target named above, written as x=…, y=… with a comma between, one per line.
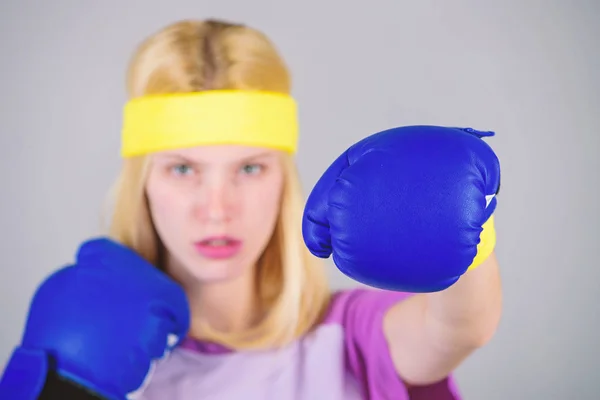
x=345, y=358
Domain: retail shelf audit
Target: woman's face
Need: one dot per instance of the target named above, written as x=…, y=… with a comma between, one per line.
x=214, y=207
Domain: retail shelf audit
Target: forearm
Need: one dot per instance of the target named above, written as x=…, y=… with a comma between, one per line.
x=466, y=314
x=429, y=335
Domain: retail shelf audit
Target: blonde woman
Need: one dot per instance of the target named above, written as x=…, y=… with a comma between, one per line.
x=211, y=286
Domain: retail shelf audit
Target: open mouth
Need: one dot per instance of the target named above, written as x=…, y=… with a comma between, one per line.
x=218, y=247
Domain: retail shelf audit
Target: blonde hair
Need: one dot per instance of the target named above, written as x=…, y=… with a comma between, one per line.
x=191, y=56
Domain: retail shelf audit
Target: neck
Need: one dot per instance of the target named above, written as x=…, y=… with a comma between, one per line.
x=229, y=306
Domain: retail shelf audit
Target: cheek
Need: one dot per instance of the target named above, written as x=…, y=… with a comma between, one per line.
x=165, y=205
x=263, y=209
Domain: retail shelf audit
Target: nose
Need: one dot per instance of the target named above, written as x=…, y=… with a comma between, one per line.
x=216, y=204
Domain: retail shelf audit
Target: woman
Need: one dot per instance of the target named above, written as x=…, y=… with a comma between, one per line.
x=224, y=222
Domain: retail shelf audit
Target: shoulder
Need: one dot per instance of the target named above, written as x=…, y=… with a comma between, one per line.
x=364, y=304
x=360, y=313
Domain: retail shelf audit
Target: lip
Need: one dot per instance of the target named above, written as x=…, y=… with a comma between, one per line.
x=227, y=250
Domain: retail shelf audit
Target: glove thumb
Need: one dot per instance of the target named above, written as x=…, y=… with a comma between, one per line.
x=315, y=221
x=25, y=375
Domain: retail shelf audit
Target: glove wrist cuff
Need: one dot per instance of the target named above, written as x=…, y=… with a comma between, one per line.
x=486, y=244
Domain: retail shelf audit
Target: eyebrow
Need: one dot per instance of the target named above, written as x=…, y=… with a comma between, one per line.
x=187, y=160
x=259, y=155
x=171, y=157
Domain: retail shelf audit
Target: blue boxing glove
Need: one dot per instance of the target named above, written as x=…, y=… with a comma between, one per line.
x=100, y=324
x=405, y=209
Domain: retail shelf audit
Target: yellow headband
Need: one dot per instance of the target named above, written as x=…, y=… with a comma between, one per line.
x=164, y=122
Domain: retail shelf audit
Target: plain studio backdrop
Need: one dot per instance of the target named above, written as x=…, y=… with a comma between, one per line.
x=526, y=69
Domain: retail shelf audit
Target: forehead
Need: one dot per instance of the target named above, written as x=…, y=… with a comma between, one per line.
x=218, y=154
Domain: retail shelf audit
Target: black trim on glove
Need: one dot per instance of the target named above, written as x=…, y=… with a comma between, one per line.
x=59, y=388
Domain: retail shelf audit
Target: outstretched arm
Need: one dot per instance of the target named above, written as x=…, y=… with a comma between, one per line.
x=429, y=335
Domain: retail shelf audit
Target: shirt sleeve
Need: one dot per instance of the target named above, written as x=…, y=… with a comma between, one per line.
x=361, y=312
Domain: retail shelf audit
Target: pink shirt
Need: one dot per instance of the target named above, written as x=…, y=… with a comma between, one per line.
x=345, y=358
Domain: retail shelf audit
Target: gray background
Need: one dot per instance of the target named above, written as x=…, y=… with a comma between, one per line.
x=526, y=69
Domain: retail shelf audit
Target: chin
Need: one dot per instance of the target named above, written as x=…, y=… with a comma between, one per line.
x=217, y=271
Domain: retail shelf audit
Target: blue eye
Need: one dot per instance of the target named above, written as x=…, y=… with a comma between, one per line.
x=182, y=169
x=251, y=169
